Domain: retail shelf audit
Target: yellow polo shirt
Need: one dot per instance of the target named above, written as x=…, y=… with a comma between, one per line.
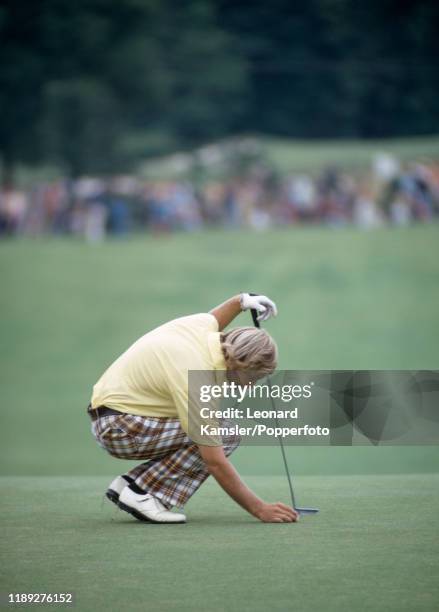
x=151, y=377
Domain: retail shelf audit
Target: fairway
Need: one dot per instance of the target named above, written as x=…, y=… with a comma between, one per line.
x=309, y=156
x=374, y=546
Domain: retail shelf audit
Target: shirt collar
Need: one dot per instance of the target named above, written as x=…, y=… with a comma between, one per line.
x=214, y=344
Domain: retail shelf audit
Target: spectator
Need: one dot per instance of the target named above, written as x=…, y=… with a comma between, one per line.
x=92, y=209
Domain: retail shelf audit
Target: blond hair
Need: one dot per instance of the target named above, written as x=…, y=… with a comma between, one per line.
x=250, y=349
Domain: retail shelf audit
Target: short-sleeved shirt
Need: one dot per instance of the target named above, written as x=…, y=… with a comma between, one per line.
x=151, y=377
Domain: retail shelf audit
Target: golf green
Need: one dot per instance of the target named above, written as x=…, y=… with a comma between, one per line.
x=373, y=546
x=347, y=300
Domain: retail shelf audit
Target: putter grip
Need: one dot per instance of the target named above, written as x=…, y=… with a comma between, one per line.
x=255, y=317
x=254, y=314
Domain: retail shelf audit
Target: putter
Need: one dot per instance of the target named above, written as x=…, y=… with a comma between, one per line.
x=301, y=510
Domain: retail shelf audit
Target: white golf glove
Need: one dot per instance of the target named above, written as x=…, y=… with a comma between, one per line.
x=261, y=303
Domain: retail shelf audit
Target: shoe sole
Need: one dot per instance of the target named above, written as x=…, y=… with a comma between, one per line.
x=144, y=519
x=112, y=496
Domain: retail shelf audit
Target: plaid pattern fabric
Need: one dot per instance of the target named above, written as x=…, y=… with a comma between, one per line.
x=174, y=469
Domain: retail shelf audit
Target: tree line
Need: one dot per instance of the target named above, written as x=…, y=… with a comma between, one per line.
x=96, y=85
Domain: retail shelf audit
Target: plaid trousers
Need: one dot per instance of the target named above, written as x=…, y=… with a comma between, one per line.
x=174, y=468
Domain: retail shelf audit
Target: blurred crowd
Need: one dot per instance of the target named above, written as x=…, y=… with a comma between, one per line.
x=93, y=208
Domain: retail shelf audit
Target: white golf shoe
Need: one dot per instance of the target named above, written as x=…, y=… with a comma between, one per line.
x=147, y=508
x=115, y=489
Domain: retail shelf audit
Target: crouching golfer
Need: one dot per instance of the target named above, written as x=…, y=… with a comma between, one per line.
x=139, y=410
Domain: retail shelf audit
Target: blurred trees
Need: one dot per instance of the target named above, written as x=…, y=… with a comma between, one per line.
x=93, y=84
x=339, y=68
x=96, y=84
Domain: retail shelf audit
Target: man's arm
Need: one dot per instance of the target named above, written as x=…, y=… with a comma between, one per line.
x=229, y=310
x=228, y=478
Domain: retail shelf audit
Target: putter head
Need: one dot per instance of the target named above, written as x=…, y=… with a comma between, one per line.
x=302, y=511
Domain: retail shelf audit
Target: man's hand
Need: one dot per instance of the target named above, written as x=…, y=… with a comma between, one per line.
x=277, y=513
x=261, y=303
x=226, y=312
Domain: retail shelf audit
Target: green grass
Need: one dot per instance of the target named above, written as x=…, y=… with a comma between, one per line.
x=347, y=299
x=287, y=155
x=374, y=546
x=282, y=154
x=312, y=156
